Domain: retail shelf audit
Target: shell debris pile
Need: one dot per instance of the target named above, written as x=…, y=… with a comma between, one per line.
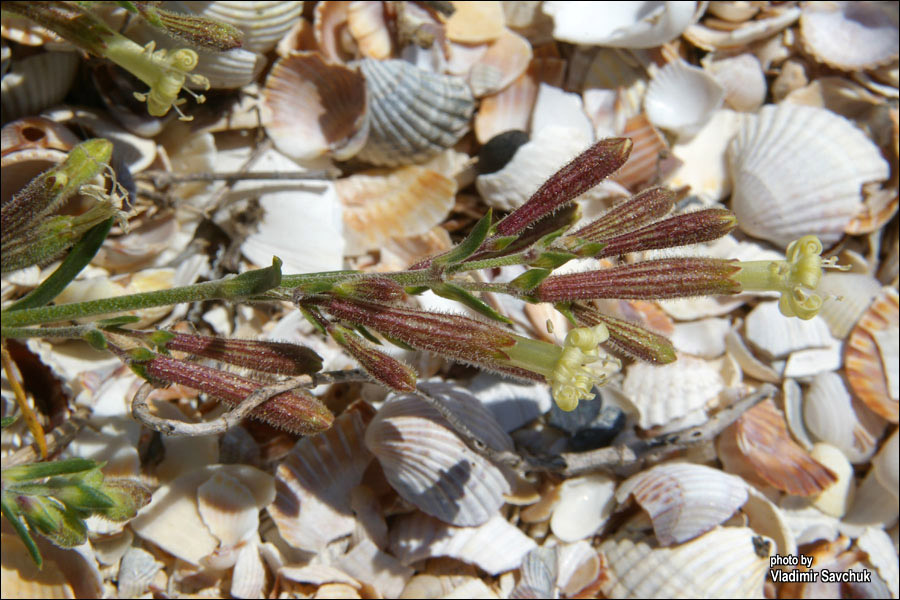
x=424, y=115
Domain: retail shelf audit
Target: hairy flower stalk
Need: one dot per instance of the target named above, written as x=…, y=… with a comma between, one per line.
x=297, y=412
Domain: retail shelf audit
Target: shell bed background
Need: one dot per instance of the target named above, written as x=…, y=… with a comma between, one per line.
x=784, y=112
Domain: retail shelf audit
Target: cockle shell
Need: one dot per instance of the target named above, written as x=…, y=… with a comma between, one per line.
x=414, y=113
x=430, y=466
x=312, y=506
x=262, y=23
x=682, y=98
x=877, y=545
x=312, y=108
x=37, y=82
x=506, y=58
x=628, y=25
x=539, y=573
x=885, y=465
x=367, y=24
x=743, y=79
x=798, y=170
x=871, y=356
x=650, y=160
x=35, y=132
x=850, y=35
x=684, y=500
x=777, y=336
x=230, y=69
x=848, y=297
x=380, y=205
x=724, y=563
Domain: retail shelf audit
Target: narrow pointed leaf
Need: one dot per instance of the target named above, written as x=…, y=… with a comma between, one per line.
x=469, y=245
x=530, y=279
x=454, y=292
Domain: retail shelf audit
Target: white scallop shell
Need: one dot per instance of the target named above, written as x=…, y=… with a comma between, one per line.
x=798, y=170
x=230, y=69
x=661, y=394
x=37, y=82
x=882, y=554
x=585, y=504
x=495, y=547
x=704, y=338
x=380, y=205
x=415, y=114
x=750, y=31
x=684, y=500
x=873, y=506
x=626, y=25
x=767, y=519
x=263, y=23
x=682, y=98
x=850, y=35
x=720, y=564
x=430, y=466
x=136, y=570
x=312, y=506
x=884, y=465
x=506, y=58
x=228, y=509
x=368, y=564
x=367, y=24
x=836, y=499
x=848, y=297
x=555, y=107
x=793, y=412
x=743, y=79
x=777, y=336
x=538, y=574
x=828, y=411
x=513, y=404
x=578, y=566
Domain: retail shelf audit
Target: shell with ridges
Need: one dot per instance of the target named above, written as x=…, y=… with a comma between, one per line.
x=777, y=336
x=415, y=114
x=850, y=36
x=506, y=58
x=743, y=79
x=848, y=297
x=367, y=24
x=578, y=566
x=228, y=509
x=429, y=466
x=312, y=108
x=682, y=98
x=262, y=23
x=866, y=370
x=37, y=82
x=885, y=466
x=835, y=500
x=772, y=160
x=684, y=500
x=368, y=564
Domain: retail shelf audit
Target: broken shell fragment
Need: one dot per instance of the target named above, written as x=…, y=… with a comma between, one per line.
x=871, y=356
x=682, y=98
x=626, y=25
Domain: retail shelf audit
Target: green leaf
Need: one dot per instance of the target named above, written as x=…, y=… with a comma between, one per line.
x=128, y=498
x=114, y=322
x=49, y=469
x=454, y=292
x=415, y=290
x=552, y=259
x=367, y=334
x=253, y=282
x=62, y=526
x=469, y=245
x=83, y=497
x=530, y=279
x=21, y=530
x=96, y=339
x=566, y=310
x=7, y=421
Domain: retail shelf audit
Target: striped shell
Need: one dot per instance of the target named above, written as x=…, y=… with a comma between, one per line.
x=414, y=114
x=850, y=36
x=263, y=23
x=37, y=82
x=798, y=170
x=684, y=500
x=870, y=366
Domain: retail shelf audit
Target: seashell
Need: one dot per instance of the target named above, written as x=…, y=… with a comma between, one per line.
x=312, y=108
x=850, y=36
x=808, y=524
x=877, y=210
x=368, y=26
x=877, y=545
x=262, y=23
x=682, y=98
x=506, y=59
x=172, y=520
x=511, y=403
x=37, y=82
x=585, y=503
x=528, y=19
x=870, y=356
x=848, y=297
x=710, y=39
x=26, y=32
x=650, y=160
x=758, y=443
x=312, y=506
x=461, y=58
x=793, y=412
x=429, y=466
x=704, y=338
x=767, y=519
x=684, y=500
x=539, y=574
x=228, y=509
x=495, y=547
x=884, y=465
x=829, y=414
x=661, y=394
x=873, y=506
x=555, y=107
x=331, y=32
x=578, y=567
x=743, y=80
x=510, y=109
x=632, y=25
x=836, y=499
x=533, y=162
x=299, y=38
x=22, y=578
x=36, y=132
x=366, y=563
x=380, y=205
x=475, y=22
x=736, y=12
x=414, y=113
x=19, y=167
x=637, y=569
x=136, y=571
x=230, y=69
x=777, y=336
x=770, y=159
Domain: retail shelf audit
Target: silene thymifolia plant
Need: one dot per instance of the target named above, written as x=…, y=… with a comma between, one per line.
x=349, y=306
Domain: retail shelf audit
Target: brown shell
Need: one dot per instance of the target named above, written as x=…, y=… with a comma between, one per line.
x=862, y=359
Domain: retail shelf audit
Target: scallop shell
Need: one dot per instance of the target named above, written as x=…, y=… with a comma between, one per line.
x=628, y=25
x=724, y=563
x=228, y=509
x=704, y=338
x=510, y=109
x=758, y=444
x=585, y=504
x=312, y=506
x=513, y=404
x=871, y=368
x=312, y=108
x=380, y=205
x=37, y=82
x=750, y=31
x=836, y=499
x=368, y=564
x=230, y=69
x=650, y=160
x=850, y=35
x=778, y=336
x=684, y=500
x=262, y=23
x=429, y=466
x=682, y=98
x=848, y=297
x=331, y=32
x=885, y=465
x=877, y=545
x=36, y=132
x=506, y=58
x=735, y=12
x=475, y=22
x=555, y=107
x=136, y=570
x=772, y=159
x=415, y=114
x=578, y=567
x=743, y=79
x=368, y=26
x=539, y=573
x=792, y=396
x=495, y=547
x=661, y=394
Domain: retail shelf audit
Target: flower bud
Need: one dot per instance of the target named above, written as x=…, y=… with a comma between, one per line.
x=680, y=230
x=384, y=369
x=646, y=207
x=626, y=337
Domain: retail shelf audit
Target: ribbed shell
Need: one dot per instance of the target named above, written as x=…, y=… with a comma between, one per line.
x=37, y=82
x=684, y=500
x=798, y=170
x=777, y=336
x=868, y=371
x=850, y=36
x=723, y=563
x=414, y=114
x=431, y=467
x=263, y=23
